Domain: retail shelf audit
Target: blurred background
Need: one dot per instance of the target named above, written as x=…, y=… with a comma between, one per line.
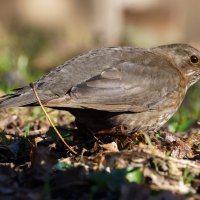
x=36, y=36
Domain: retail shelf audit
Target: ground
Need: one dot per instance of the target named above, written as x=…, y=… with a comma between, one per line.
x=35, y=164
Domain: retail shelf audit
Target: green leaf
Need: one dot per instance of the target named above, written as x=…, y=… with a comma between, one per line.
x=65, y=134
x=104, y=180
x=188, y=176
x=135, y=175
x=62, y=166
x=148, y=139
x=27, y=130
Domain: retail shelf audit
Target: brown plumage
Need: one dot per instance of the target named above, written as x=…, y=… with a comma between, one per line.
x=137, y=88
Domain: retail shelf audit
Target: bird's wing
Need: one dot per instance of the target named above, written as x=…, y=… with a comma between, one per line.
x=127, y=86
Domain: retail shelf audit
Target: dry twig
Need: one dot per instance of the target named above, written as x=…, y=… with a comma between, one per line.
x=57, y=132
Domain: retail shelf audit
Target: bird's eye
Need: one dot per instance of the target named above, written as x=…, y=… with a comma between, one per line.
x=194, y=59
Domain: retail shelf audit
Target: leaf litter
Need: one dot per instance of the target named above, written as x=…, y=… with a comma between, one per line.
x=34, y=163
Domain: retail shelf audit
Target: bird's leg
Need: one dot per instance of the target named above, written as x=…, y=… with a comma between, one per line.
x=115, y=131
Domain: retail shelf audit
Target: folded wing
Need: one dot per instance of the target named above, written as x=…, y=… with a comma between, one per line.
x=125, y=87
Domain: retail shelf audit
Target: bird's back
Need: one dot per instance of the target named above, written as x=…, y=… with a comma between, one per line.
x=61, y=79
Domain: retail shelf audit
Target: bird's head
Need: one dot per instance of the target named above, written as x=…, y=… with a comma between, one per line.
x=185, y=58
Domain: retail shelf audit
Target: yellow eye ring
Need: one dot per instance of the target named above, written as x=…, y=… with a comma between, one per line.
x=194, y=59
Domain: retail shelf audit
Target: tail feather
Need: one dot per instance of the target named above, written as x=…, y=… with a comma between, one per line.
x=14, y=100
x=24, y=97
x=20, y=97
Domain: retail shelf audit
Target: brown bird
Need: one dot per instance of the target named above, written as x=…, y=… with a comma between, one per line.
x=139, y=89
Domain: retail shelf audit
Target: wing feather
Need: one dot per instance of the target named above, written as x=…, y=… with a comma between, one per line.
x=127, y=87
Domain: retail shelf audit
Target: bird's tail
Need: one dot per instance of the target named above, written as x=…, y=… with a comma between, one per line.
x=20, y=97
